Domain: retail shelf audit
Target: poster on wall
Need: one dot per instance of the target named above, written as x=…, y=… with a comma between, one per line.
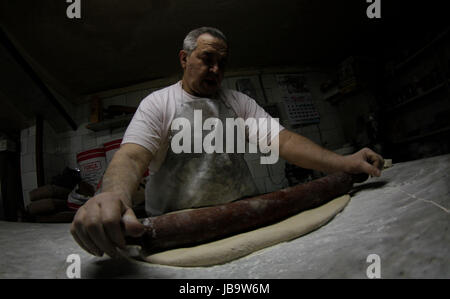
x=298, y=100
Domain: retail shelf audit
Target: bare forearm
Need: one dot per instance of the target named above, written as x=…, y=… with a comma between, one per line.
x=123, y=175
x=303, y=152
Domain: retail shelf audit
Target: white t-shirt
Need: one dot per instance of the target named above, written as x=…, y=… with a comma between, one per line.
x=152, y=121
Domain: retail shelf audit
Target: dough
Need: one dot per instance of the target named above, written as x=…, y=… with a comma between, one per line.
x=234, y=247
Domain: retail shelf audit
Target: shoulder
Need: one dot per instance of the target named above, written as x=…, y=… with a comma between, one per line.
x=162, y=94
x=160, y=100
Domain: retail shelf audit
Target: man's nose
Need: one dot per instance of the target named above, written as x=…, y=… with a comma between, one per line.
x=214, y=68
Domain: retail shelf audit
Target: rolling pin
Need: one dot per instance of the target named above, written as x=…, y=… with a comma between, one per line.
x=191, y=227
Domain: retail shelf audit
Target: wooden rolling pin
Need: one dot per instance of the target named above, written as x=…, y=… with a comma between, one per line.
x=190, y=227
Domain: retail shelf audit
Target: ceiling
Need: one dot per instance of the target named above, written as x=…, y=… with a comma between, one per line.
x=120, y=43
x=117, y=44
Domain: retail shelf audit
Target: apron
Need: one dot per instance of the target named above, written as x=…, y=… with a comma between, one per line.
x=191, y=180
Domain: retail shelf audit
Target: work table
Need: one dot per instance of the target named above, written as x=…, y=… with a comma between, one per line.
x=402, y=217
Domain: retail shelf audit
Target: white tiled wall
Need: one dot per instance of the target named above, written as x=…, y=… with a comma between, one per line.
x=60, y=149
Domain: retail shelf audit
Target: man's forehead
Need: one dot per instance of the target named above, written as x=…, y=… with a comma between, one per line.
x=207, y=43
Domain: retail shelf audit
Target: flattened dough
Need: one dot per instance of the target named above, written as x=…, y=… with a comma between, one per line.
x=234, y=247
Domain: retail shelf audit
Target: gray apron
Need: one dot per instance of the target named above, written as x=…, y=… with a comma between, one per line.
x=190, y=180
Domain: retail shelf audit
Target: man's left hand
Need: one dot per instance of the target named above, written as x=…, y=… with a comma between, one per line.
x=364, y=161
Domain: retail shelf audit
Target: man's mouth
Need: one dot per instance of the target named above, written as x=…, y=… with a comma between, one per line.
x=211, y=82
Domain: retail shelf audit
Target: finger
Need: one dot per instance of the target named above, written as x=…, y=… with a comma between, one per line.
x=111, y=219
x=87, y=242
x=78, y=240
x=133, y=227
x=379, y=163
x=96, y=232
x=83, y=238
x=370, y=169
x=375, y=159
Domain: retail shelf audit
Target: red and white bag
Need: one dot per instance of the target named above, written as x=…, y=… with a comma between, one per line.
x=92, y=164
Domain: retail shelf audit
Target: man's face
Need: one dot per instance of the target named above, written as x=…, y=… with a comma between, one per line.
x=205, y=66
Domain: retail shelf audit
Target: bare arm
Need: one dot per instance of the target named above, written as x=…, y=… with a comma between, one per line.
x=302, y=152
x=101, y=224
x=125, y=171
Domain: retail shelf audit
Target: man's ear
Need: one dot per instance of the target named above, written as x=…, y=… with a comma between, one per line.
x=183, y=58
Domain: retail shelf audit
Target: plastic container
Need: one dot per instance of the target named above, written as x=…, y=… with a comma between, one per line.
x=92, y=164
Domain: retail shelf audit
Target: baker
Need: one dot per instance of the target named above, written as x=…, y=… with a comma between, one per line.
x=190, y=179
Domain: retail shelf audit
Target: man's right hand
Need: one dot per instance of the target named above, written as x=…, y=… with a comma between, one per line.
x=100, y=225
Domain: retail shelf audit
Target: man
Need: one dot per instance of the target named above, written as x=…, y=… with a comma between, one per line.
x=190, y=180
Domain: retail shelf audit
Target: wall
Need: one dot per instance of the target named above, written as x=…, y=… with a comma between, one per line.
x=60, y=149
x=28, y=161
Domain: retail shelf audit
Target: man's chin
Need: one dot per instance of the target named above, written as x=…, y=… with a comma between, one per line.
x=209, y=89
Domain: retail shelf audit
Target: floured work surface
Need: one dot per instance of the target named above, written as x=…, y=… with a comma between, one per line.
x=403, y=217
x=234, y=247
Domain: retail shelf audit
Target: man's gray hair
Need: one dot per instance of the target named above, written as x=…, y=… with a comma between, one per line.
x=190, y=41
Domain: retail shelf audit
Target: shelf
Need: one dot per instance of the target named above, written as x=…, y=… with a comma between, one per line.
x=336, y=96
x=332, y=95
x=437, y=87
x=118, y=122
x=409, y=139
x=420, y=51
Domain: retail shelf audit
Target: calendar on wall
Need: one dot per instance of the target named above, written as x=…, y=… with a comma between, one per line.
x=298, y=100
